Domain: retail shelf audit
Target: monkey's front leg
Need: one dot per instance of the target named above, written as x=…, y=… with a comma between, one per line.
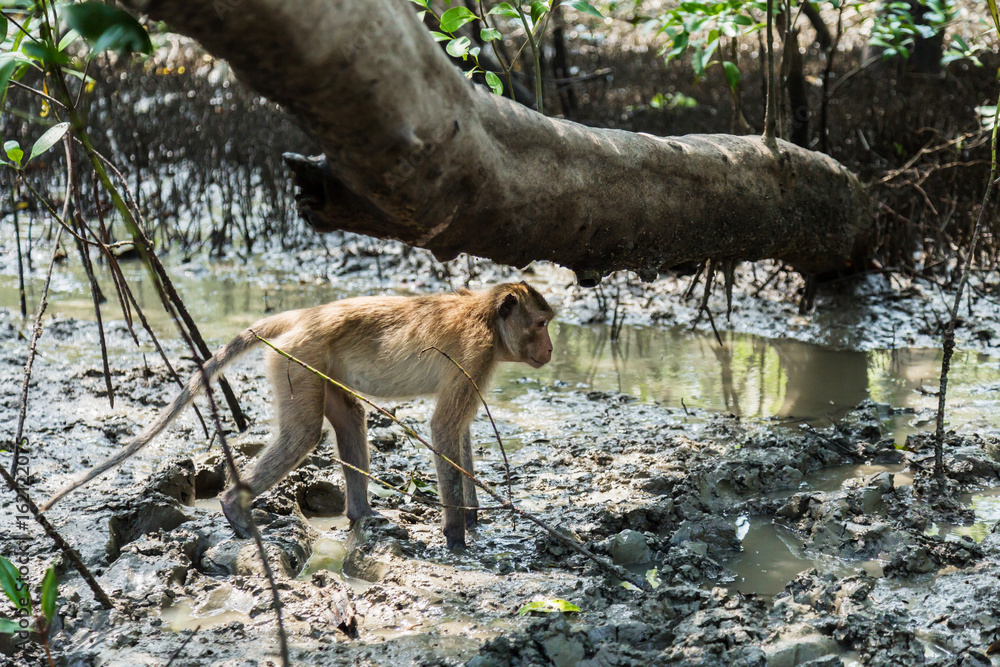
x=454, y=412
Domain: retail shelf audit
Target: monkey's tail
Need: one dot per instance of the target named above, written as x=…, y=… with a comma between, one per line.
x=267, y=328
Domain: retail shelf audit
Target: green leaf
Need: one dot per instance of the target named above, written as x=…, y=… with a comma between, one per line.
x=439, y=36
x=67, y=39
x=653, y=577
x=459, y=47
x=504, y=9
x=489, y=34
x=105, y=27
x=740, y=19
x=994, y=13
x=455, y=18
x=44, y=53
x=50, y=593
x=48, y=140
x=538, y=9
x=494, y=82
x=9, y=627
x=585, y=7
x=548, y=606
x=420, y=3
x=629, y=586
x=14, y=152
x=6, y=70
x=732, y=73
x=3, y=27
x=10, y=577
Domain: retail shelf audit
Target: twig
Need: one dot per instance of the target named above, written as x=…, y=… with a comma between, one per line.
x=36, y=333
x=183, y=645
x=413, y=496
x=34, y=91
x=71, y=554
x=616, y=570
x=95, y=289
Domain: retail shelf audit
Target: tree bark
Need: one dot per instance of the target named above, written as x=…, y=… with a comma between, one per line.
x=415, y=152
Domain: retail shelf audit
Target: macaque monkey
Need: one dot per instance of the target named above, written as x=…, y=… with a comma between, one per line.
x=373, y=345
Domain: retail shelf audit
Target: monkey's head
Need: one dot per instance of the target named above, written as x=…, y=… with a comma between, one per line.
x=523, y=319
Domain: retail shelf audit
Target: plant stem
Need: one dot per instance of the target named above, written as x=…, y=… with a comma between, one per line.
x=539, y=105
x=772, y=88
x=948, y=344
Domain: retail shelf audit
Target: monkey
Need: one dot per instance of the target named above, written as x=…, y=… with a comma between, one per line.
x=375, y=346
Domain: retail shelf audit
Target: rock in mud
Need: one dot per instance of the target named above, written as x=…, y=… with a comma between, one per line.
x=630, y=546
x=797, y=645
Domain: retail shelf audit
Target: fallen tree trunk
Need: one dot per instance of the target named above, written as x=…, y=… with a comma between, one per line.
x=415, y=152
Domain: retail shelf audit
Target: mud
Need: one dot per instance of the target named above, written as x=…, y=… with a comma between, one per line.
x=797, y=537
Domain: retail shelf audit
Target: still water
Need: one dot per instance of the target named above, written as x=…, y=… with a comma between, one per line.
x=750, y=376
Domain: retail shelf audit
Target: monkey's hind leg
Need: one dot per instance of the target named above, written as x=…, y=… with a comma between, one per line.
x=348, y=418
x=299, y=420
x=468, y=488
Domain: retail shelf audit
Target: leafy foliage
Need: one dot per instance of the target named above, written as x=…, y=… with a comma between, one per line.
x=106, y=27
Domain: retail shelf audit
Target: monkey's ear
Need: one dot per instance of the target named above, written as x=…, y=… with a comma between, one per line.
x=507, y=305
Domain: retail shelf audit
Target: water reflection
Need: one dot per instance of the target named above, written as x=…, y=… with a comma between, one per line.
x=760, y=378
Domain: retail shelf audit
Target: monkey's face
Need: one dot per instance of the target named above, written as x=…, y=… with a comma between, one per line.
x=524, y=325
x=538, y=345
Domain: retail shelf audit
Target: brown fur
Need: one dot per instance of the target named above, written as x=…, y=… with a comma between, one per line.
x=373, y=345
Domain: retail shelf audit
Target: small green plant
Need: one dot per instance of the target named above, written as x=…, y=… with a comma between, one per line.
x=16, y=590
x=897, y=28
x=533, y=16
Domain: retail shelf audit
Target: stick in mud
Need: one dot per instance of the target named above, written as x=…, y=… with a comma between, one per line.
x=615, y=570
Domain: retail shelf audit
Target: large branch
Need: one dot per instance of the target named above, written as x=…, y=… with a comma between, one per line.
x=417, y=153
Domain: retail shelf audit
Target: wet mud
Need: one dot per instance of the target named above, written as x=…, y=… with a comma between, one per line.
x=788, y=534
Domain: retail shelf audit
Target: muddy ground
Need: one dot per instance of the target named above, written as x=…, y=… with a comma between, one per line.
x=639, y=484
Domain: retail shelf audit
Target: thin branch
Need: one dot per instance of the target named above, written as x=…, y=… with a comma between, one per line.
x=36, y=333
x=413, y=496
x=496, y=431
x=34, y=91
x=183, y=645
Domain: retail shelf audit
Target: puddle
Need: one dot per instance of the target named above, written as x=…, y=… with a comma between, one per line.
x=986, y=505
x=773, y=555
x=330, y=554
x=834, y=478
x=327, y=523
x=224, y=604
x=210, y=504
x=327, y=554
